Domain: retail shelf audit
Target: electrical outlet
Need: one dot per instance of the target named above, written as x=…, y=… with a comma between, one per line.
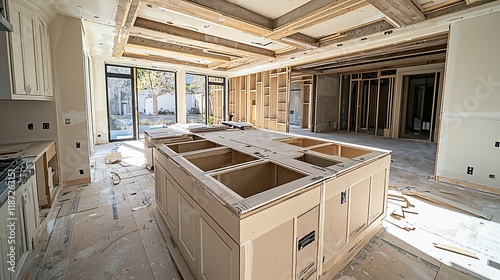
x=30, y=126
x=492, y=176
x=470, y=170
x=45, y=125
x=67, y=121
x=81, y=172
x=497, y=144
x=78, y=145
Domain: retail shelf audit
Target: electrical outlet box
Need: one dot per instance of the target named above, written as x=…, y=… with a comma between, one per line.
x=30, y=126
x=470, y=170
x=81, y=172
x=45, y=125
x=497, y=144
x=492, y=176
x=78, y=145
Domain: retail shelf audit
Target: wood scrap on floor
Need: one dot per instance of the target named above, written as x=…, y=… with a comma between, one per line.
x=456, y=250
x=114, y=157
x=398, y=207
x=116, y=178
x=448, y=203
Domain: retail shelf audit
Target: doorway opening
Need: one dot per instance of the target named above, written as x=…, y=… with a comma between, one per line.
x=419, y=107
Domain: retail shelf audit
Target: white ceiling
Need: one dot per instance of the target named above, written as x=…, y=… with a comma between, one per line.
x=164, y=16
x=270, y=8
x=357, y=17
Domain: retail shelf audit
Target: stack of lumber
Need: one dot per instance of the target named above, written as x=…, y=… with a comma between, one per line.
x=398, y=207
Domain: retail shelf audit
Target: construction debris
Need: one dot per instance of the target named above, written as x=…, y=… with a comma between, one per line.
x=448, y=203
x=456, y=250
x=116, y=178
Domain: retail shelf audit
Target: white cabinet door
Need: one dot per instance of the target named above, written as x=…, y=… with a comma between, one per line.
x=30, y=53
x=43, y=55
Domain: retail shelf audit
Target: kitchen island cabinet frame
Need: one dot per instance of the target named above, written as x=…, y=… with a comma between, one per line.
x=309, y=222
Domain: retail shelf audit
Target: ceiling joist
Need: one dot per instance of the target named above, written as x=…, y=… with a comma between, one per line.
x=403, y=12
x=220, y=12
x=125, y=16
x=217, y=43
x=311, y=14
x=184, y=50
x=158, y=58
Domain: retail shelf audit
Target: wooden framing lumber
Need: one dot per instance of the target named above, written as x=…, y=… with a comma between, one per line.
x=456, y=250
x=357, y=32
x=221, y=12
x=187, y=51
x=450, y=203
x=125, y=16
x=217, y=43
x=310, y=14
x=403, y=12
x=158, y=58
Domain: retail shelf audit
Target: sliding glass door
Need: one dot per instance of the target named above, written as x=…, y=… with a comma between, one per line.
x=156, y=99
x=121, y=103
x=139, y=99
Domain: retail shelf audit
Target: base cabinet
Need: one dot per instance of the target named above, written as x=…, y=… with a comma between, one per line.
x=18, y=225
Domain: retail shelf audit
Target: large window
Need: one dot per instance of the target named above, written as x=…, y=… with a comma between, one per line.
x=155, y=99
x=121, y=113
x=204, y=99
x=135, y=105
x=196, y=92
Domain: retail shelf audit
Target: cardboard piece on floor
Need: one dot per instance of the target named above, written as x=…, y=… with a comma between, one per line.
x=114, y=157
x=456, y=250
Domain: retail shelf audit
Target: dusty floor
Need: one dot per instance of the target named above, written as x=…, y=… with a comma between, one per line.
x=107, y=239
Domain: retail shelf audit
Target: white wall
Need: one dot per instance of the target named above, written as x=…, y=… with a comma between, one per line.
x=471, y=107
x=69, y=90
x=15, y=116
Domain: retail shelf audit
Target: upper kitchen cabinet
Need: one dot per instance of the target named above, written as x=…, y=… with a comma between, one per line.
x=27, y=49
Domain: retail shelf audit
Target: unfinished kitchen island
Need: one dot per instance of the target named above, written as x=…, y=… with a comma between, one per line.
x=255, y=204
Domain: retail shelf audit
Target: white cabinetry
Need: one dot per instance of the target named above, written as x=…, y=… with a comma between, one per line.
x=29, y=72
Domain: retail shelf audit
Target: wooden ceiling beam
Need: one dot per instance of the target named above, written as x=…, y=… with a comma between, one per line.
x=403, y=12
x=422, y=42
x=158, y=58
x=183, y=50
x=384, y=57
x=408, y=61
x=357, y=32
x=301, y=41
x=126, y=14
x=310, y=14
x=455, y=8
x=216, y=43
x=220, y=12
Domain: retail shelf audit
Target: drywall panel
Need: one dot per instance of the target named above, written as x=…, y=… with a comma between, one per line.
x=327, y=100
x=465, y=150
x=70, y=95
x=470, y=124
x=100, y=109
x=16, y=115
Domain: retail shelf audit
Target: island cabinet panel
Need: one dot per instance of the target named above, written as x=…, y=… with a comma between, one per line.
x=188, y=241
x=219, y=254
x=298, y=209
x=335, y=225
x=377, y=195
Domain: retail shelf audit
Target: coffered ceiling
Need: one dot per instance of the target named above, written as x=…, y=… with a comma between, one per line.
x=235, y=34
